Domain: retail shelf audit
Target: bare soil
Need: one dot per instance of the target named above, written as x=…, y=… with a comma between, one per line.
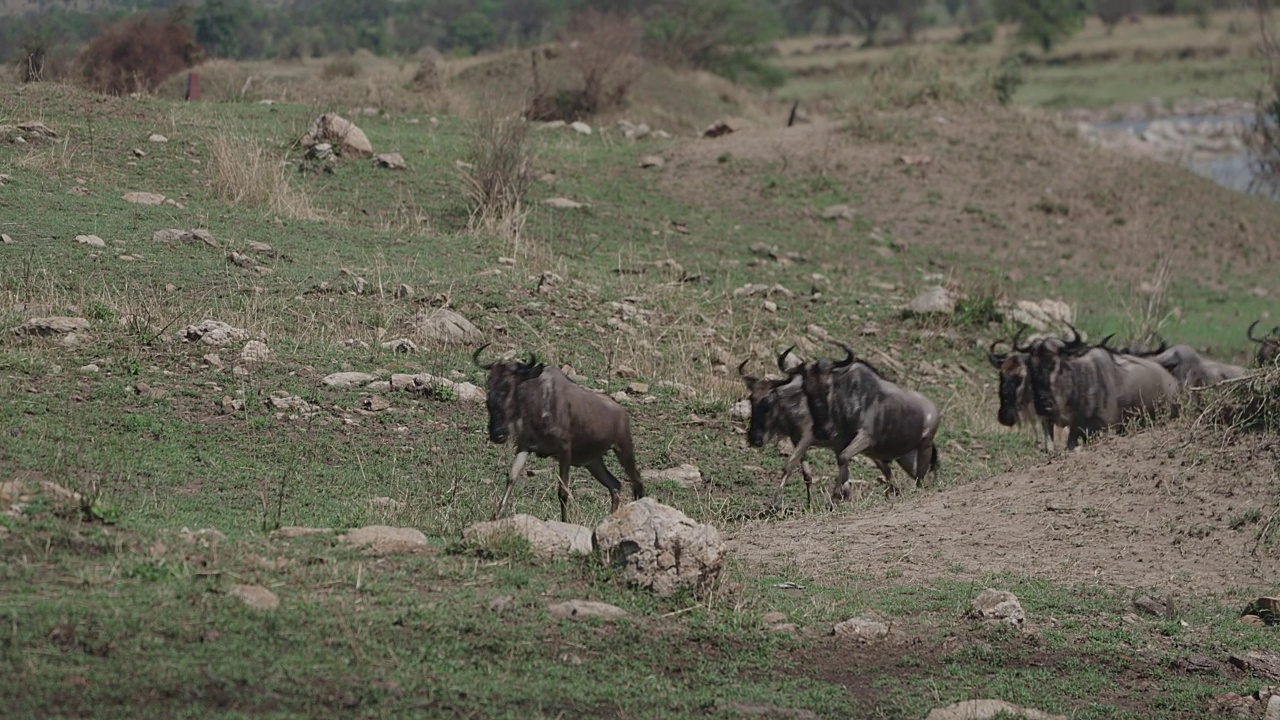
x=1152, y=510
x=990, y=183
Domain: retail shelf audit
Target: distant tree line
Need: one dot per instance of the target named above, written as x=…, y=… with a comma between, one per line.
x=724, y=35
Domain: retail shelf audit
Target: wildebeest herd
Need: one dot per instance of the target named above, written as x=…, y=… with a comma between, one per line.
x=849, y=407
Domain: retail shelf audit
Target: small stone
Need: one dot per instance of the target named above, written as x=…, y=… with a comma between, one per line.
x=638, y=388
x=231, y=405
x=404, y=292
x=562, y=203
x=139, y=152
x=501, y=604
x=157, y=138
x=580, y=127
x=998, y=606
x=935, y=300
x=255, y=351
x=685, y=475
x=626, y=372
x=342, y=380
x=774, y=618
x=987, y=710
x=391, y=161
x=400, y=345
x=375, y=403
x=90, y=368
x=652, y=161
x=741, y=410
x=91, y=241
x=255, y=596
x=621, y=396
x=143, y=198
x=49, y=326
x=770, y=306
x=862, y=629
x=843, y=211
x=7, y=240
x=584, y=609
x=385, y=540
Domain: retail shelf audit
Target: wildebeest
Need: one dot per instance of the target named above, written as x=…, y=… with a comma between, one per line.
x=1016, y=403
x=1088, y=389
x=1268, y=345
x=856, y=409
x=549, y=416
x=1188, y=367
x=778, y=410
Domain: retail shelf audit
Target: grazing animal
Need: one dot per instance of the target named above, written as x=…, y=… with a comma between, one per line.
x=1188, y=367
x=1089, y=389
x=1268, y=346
x=778, y=410
x=1016, y=403
x=855, y=409
x=549, y=416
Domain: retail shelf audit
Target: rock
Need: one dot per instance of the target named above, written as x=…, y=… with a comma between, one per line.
x=548, y=538
x=862, y=629
x=400, y=345
x=333, y=128
x=1046, y=316
x=176, y=235
x=385, y=540
x=6, y=239
x=580, y=127
x=684, y=475
x=638, y=388
x=583, y=609
x=843, y=211
x=998, y=606
x=652, y=161
x=343, y=380
x=444, y=326
x=660, y=548
x=91, y=241
x=290, y=532
x=935, y=300
x=562, y=203
x=741, y=410
x=469, y=393
x=404, y=292
x=255, y=351
x=231, y=405
x=255, y=596
x=987, y=710
x=375, y=403
x=501, y=604
x=48, y=326
x=215, y=333
x=157, y=138
x=90, y=368
x=552, y=125
x=319, y=151
x=143, y=198
x=1150, y=606
x=1232, y=705
x=769, y=306
x=717, y=128
x=1265, y=608
x=741, y=709
x=1273, y=708
x=1263, y=663
x=391, y=161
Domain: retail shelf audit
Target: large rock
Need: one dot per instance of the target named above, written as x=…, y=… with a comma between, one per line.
x=255, y=596
x=335, y=129
x=935, y=300
x=444, y=326
x=988, y=709
x=862, y=629
x=549, y=539
x=684, y=475
x=386, y=540
x=215, y=333
x=998, y=606
x=661, y=548
x=1045, y=316
x=342, y=380
x=47, y=326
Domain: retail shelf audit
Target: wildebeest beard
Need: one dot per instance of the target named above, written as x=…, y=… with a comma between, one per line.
x=1013, y=376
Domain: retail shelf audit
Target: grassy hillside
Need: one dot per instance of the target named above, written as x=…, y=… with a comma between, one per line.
x=134, y=616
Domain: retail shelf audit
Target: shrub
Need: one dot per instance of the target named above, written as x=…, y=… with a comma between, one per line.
x=604, y=51
x=136, y=54
x=343, y=66
x=499, y=174
x=1007, y=78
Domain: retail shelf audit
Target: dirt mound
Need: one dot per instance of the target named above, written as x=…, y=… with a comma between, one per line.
x=977, y=183
x=1150, y=511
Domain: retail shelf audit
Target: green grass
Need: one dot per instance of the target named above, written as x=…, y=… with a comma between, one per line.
x=126, y=618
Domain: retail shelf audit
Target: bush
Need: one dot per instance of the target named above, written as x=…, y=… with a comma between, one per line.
x=343, y=66
x=983, y=34
x=1007, y=78
x=500, y=168
x=604, y=52
x=137, y=54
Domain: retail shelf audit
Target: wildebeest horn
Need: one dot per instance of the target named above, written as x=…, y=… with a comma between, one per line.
x=533, y=359
x=1016, y=336
x=782, y=359
x=475, y=357
x=1076, y=340
x=742, y=367
x=1164, y=345
x=1104, y=345
x=1249, y=332
x=848, y=353
x=996, y=359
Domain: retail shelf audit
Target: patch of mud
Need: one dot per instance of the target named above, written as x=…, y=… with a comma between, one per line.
x=1150, y=510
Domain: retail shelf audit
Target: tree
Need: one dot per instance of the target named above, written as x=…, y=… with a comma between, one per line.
x=1044, y=22
x=866, y=15
x=1112, y=12
x=219, y=25
x=472, y=31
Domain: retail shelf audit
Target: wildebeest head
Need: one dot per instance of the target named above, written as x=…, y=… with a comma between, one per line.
x=1013, y=377
x=500, y=391
x=818, y=382
x=1045, y=359
x=764, y=400
x=1268, y=345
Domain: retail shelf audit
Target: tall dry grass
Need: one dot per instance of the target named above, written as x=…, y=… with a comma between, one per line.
x=498, y=173
x=245, y=173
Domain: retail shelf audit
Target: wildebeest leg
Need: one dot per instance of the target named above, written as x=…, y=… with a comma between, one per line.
x=626, y=455
x=1075, y=435
x=606, y=478
x=1046, y=425
x=563, y=489
x=516, y=468
x=857, y=445
x=808, y=482
x=797, y=458
x=889, y=487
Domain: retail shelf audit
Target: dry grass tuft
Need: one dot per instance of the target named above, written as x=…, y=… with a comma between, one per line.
x=1246, y=404
x=1150, y=310
x=499, y=171
x=245, y=173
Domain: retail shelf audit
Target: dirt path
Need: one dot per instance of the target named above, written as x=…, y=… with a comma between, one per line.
x=1145, y=511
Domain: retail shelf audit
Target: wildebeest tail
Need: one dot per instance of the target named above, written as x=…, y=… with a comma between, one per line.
x=934, y=462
